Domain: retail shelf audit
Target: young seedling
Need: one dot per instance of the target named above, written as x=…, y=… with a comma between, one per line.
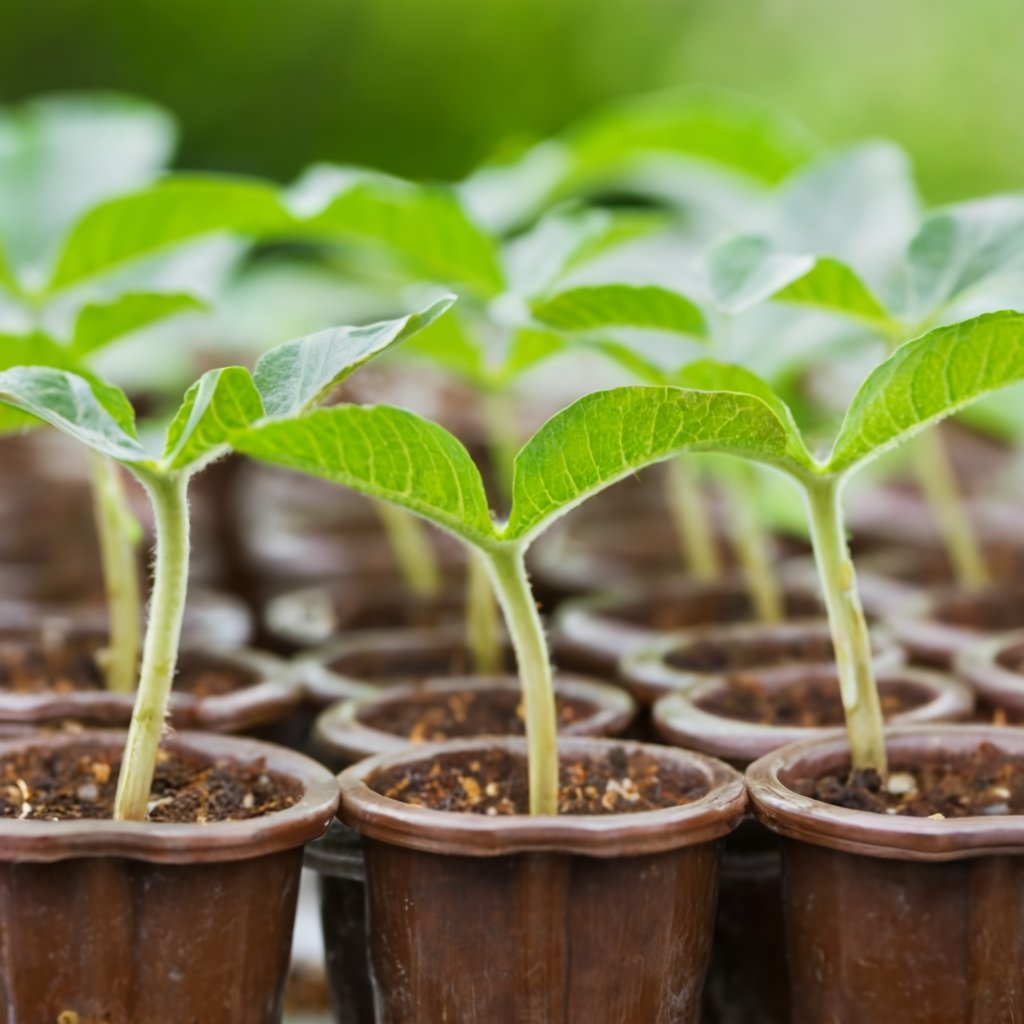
x=955, y=255
x=396, y=456
x=287, y=380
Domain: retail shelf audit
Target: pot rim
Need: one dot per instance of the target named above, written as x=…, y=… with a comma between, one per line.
x=615, y=835
x=177, y=843
x=893, y=837
x=679, y=718
x=978, y=665
x=340, y=732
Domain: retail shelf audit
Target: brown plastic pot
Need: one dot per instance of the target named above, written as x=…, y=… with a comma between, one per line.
x=683, y=660
x=747, y=977
x=890, y=919
x=994, y=667
x=312, y=616
x=935, y=628
x=561, y=920
x=342, y=735
x=268, y=691
x=125, y=922
x=359, y=665
x=593, y=634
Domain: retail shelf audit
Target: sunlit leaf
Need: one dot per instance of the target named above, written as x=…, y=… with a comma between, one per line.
x=99, y=324
x=620, y=305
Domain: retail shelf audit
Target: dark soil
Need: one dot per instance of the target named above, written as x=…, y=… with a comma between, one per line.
x=809, y=703
x=32, y=667
x=494, y=782
x=990, y=782
x=80, y=781
x=717, y=656
x=429, y=717
x=414, y=665
x=994, y=610
x=703, y=610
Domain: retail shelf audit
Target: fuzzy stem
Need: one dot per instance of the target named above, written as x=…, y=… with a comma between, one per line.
x=483, y=627
x=120, y=573
x=160, y=652
x=693, y=528
x=850, y=635
x=508, y=572
x=753, y=547
x=416, y=557
x=935, y=477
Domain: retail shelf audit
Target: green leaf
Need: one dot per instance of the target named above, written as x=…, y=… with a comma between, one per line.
x=715, y=125
x=449, y=344
x=100, y=418
x=962, y=246
x=8, y=279
x=424, y=228
x=528, y=349
x=620, y=305
x=219, y=404
x=296, y=375
x=709, y=375
x=62, y=154
x=927, y=379
x=386, y=453
x=608, y=435
x=100, y=324
x=175, y=210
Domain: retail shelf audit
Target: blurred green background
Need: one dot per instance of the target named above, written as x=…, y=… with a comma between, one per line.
x=427, y=88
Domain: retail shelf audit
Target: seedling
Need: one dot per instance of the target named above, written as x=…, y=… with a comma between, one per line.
x=396, y=456
x=287, y=380
x=955, y=255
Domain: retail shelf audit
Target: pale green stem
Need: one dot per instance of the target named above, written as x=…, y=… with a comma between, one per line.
x=850, y=635
x=508, y=572
x=160, y=652
x=690, y=518
x=502, y=428
x=483, y=623
x=410, y=543
x=935, y=477
x=753, y=547
x=116, y=531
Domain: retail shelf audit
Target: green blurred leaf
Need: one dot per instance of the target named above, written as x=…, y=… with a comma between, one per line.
x=608, y=435
x=620, y=305
x=100, y=419
x=928, y=379
x=960, y=247
x=175, y=210
x=423, y=227
x=99, y=324
x=219, y=404
x=448, y=344
x=60, y=155
x=528, y=349
x=296, y=375
x=386, y=453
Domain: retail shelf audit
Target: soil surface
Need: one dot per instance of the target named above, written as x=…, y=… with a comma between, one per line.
x=429, y=717
x=990, y=611
x=715, y=656
x=32, y=667
x=494, y=782
x=704, y=610
x=79, y=781
x=414, y=666
x=989, y=782
x=809, y=703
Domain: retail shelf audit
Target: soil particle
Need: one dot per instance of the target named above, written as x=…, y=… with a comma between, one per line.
x=989, y=782
x=34, y=667
x=810, y=703
x=494, y=782
x=79, y=781
x=434, y=717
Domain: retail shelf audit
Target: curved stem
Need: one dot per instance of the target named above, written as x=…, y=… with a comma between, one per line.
x=690, y=517
x=753, y=546
x=508, y=572
x=936, y=479
x=160, y=652
x=850, y=635
x=483, y=627
x=117, y=532
x=416, y=557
